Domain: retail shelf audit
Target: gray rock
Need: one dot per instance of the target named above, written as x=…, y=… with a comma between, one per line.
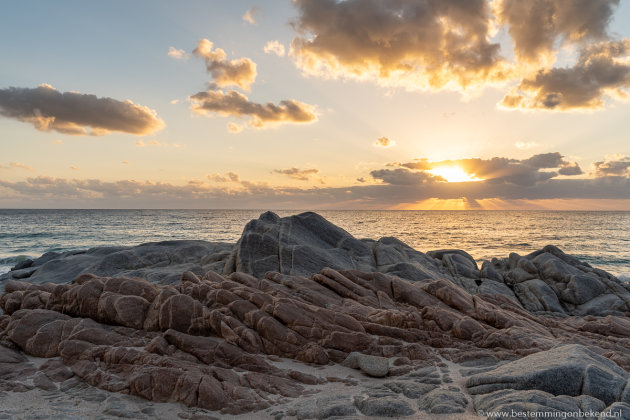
x=582, y=288
x=370, y=365
x=410, y=389
x=383, y=407
x=323, y=408
x=588, y=403
x=615, y=411
x=602, y=305
x=8, y=355
x=160, y=262
x=516, y=403
x=443, y=401
x=536, y=296
x=566, y=370
x=23, y=264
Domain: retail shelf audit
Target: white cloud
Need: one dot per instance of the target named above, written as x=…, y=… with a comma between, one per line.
x=274, y=47
x=177, y=53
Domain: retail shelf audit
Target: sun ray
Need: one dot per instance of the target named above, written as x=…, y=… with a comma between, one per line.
x=453, y=174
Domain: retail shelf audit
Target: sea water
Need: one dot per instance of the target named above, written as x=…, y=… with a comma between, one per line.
x=600, y=238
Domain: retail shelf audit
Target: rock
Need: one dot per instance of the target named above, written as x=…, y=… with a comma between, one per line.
x=159, y=262
x=370, y=365
x=247, y=340
x=443, y=401
x=323, y=408
x=617, y=410
x=23, y=264
x=383, y=407
x=536, y=296
x=582, y=372
x=518, y=403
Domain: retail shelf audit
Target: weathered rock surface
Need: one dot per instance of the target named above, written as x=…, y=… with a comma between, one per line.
x=546, y=281
x=158, y=262
x=442, y=340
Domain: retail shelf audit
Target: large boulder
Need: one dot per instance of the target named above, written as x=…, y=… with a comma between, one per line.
x=566, y=370
x=158, y=262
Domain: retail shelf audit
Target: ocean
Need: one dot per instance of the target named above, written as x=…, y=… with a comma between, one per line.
x=600, y=238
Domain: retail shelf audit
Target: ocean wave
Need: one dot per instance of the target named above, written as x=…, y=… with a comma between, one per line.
x=624, y=277
x=13, y=260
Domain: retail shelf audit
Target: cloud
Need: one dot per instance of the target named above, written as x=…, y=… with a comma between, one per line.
x=447, y=45
x=299, y=174
x=616, y=167
x=141, y=143
x=601, y=70
x=233, y=103
x=229, y=177
x=274, y=47
x=536, y=27
x=522, y=145
x=240, y=72
x=497, y=170
x=21, y=166
x=402, y=176
x=58, y=141
x=76, y=114
x=234, y=128
x=250, y=16
x=178, y=54
x=431, y=44
x=235, y=192
x=384, y=142
x=570, y=170
x=75, y=168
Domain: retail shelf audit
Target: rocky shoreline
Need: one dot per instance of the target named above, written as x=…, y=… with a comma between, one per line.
x=301, y=320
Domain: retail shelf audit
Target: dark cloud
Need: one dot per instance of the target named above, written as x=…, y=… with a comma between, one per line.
x=240, y=72
x=429, y=44
x=402, y=176
x=233, y=103
x=421, y=164
x=75, y=113
x=601, y=70
x=570, y=170
x=537, y=26
x=499, y=169
x=296, y=173
x=616, y=167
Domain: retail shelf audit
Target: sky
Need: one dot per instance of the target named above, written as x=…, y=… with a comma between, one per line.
x=315, y=104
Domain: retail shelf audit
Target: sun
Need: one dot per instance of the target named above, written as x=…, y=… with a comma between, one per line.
x=453, y=174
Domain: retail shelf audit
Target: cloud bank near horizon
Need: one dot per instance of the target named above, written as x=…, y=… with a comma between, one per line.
x=396, y=186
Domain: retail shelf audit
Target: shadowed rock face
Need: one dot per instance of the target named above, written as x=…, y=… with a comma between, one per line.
x=430, y=331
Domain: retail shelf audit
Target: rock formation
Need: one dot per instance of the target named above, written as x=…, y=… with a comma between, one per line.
x=306, y=321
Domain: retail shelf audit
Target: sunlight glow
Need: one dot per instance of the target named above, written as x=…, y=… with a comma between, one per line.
x=453, y=174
